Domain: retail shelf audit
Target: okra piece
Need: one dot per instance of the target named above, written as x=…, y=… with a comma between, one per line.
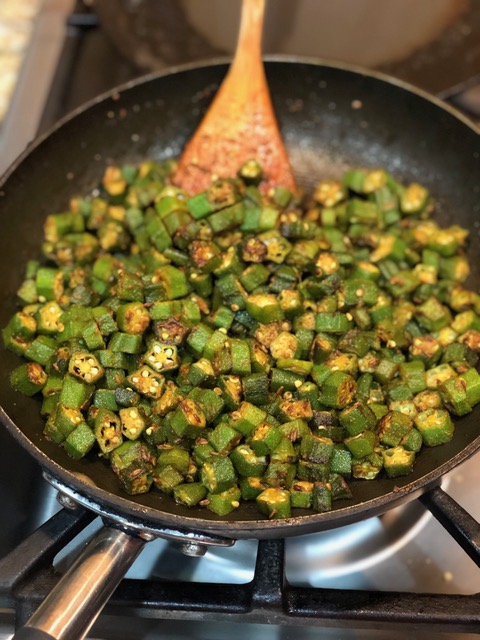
x=85, y=366
x=189, y=493
x=105, y=398
x=338, y=390
x=224, y=438
x=412, y=441
x=341, y=460
x=280, y=474
x=413, y=199
x=454, y=396
x=80, y=441
x=322, y=497
x=107, y=430
x=367, y=468
x=224, y=502
x=256, y=388
x=336, y=322
x=133, y=422
x=362, y=444
x=129, y=287
x=133, y=317
x=104, y=319
x=218, y=475
x=264, y=307
x=301, y=493
x=188, y=420
x=126, y=397
x=93, y=337
x=126, y=342
x=274, y=503
x=413, y=375
x=49, y=284
x=198, y=339
x=28, y=378
x=75, y=394
x=398, y=461
x=176, y=457
x=41, y=350
x=357, y=418
x=246, y=418
x=435, y=426
x=471, y=379
x=283, y=380
x=393, y=427
x=133, y=462
x=265, y=438
x=250, y=488
x=162, y=356
x=166, y=478
x=147, y=382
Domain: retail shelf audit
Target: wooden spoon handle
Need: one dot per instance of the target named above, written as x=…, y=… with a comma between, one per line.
x=240, y=124
x=248, y=54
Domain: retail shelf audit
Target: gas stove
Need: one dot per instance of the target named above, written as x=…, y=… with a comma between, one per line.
x=401, y=572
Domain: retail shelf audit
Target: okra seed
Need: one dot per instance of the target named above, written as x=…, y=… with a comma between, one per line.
x=145, y=374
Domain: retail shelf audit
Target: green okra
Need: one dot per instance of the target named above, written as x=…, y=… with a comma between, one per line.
x=241, y=345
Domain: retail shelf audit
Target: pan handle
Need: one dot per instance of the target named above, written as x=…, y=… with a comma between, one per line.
x=73, y=605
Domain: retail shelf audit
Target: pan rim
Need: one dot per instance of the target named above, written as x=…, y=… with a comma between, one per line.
x=243, y=528
x=224, y=61
x=126, y=512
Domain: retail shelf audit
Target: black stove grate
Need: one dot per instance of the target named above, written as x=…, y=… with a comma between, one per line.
x=27, y=576
x=27, y=573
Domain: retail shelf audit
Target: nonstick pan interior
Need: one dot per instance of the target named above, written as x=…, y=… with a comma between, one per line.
x=331, y=118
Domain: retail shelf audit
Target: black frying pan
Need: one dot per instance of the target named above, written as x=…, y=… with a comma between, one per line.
x=331, y=117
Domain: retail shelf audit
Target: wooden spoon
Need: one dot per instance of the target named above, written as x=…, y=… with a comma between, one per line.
x=240, y=124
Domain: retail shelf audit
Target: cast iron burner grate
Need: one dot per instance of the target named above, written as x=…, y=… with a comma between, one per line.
x=27, y=575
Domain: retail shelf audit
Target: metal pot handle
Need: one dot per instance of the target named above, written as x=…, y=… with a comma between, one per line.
x=74, y=604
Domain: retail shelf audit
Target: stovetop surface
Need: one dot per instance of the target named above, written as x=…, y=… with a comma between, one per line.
x=404, y=550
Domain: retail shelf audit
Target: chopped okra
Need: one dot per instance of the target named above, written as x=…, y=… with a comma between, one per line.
x=236, y=347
